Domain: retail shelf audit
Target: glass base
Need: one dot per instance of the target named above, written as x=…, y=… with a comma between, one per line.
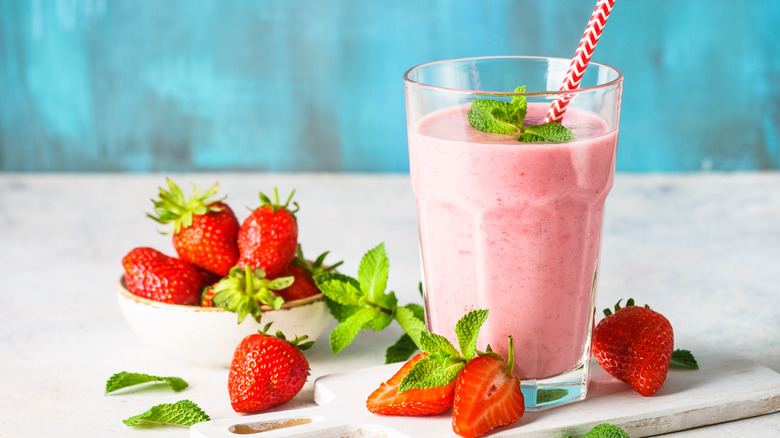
x=555, y=391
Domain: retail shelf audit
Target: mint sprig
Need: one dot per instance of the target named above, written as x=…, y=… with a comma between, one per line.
x=125, y=379
x=444, y=362
x=605, y=430
x=550, y=132
x=507, y=118
x=181, y=413
x=497, y=116
x=364, y=303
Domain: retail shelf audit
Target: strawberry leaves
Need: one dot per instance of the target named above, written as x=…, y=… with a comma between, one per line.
x=363, y=303
x=244, y=290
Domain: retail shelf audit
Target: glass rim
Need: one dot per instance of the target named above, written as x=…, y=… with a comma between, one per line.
x=408, y=81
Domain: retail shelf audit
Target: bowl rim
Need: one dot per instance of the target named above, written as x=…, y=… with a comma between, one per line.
x=123, y=291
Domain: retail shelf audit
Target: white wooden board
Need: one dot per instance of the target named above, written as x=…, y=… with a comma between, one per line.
x=725, y=388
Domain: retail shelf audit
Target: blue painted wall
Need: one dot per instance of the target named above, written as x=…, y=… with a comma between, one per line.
x=315, y=85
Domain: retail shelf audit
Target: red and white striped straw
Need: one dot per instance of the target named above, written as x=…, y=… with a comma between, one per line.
x=581, y=59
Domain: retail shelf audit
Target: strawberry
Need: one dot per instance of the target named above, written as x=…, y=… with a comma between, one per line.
x=244, y=291
x=266, y=371
x=204, y=232
x=205, y=299
x=487, y=395
x=154, y=275
x=635, y=344
x=268, y=237
x=304, y=271
x=386, y=400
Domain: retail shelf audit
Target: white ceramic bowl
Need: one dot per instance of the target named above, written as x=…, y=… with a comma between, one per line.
x=208, y=336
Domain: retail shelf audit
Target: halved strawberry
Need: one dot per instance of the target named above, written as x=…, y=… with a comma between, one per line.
x=386, y=400
x=487, y=395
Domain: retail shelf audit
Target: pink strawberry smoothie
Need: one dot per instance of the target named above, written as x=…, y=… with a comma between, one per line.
x=514, y=228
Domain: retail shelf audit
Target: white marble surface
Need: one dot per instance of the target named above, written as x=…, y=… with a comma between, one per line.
x=704, y=249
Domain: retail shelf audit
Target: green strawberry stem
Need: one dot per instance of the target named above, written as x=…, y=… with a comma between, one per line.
x=297, y=342
x=244, y=290
x=174, y=207
x=275, y=205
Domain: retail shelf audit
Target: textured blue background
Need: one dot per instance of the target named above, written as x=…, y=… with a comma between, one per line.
x=315, y=85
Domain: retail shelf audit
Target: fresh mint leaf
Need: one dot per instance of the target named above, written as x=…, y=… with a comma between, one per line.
x=550, y=132
x=124, y=379
x=387, y=301
x=497, y=116
x=373, y=272
x=518, y=108
x=339, y=311
x=410, y=318
x=490, y=116
x=467, y=330
x=181, y=413
x=443, y=362
x=345, y=333
x=340, y=288
x=401, y=351
x=605, y=430
x=362, y=303
x=434, y=370
x=684, y=359
x=432, y=343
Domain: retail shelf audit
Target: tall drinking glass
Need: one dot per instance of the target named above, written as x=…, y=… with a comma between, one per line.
x=514, y=227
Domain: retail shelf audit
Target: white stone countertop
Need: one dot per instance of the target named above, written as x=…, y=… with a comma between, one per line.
x=703, y=249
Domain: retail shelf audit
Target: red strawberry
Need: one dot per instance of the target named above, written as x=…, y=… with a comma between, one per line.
x=268, y=237
x=635, y=344
x=154, y=275
x=487, y=395
x=205, y=299
x=266, y=371
x=204, y=232
x=386, y=400
x=304, y=272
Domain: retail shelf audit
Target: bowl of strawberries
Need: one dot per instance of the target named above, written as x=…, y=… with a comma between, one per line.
x=228, y=280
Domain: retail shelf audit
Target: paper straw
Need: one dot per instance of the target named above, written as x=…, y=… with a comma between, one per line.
x=581, y=59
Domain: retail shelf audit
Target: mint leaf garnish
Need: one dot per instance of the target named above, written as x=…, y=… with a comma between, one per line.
x=124, y=379
x=497, y=116
x=684, y=359
x=432, y=371
x=432, y=343
x=363, y=303
x=605, y=430
x=444, y=363
x=550, y=132
x=467, y=330
x=182, y=413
